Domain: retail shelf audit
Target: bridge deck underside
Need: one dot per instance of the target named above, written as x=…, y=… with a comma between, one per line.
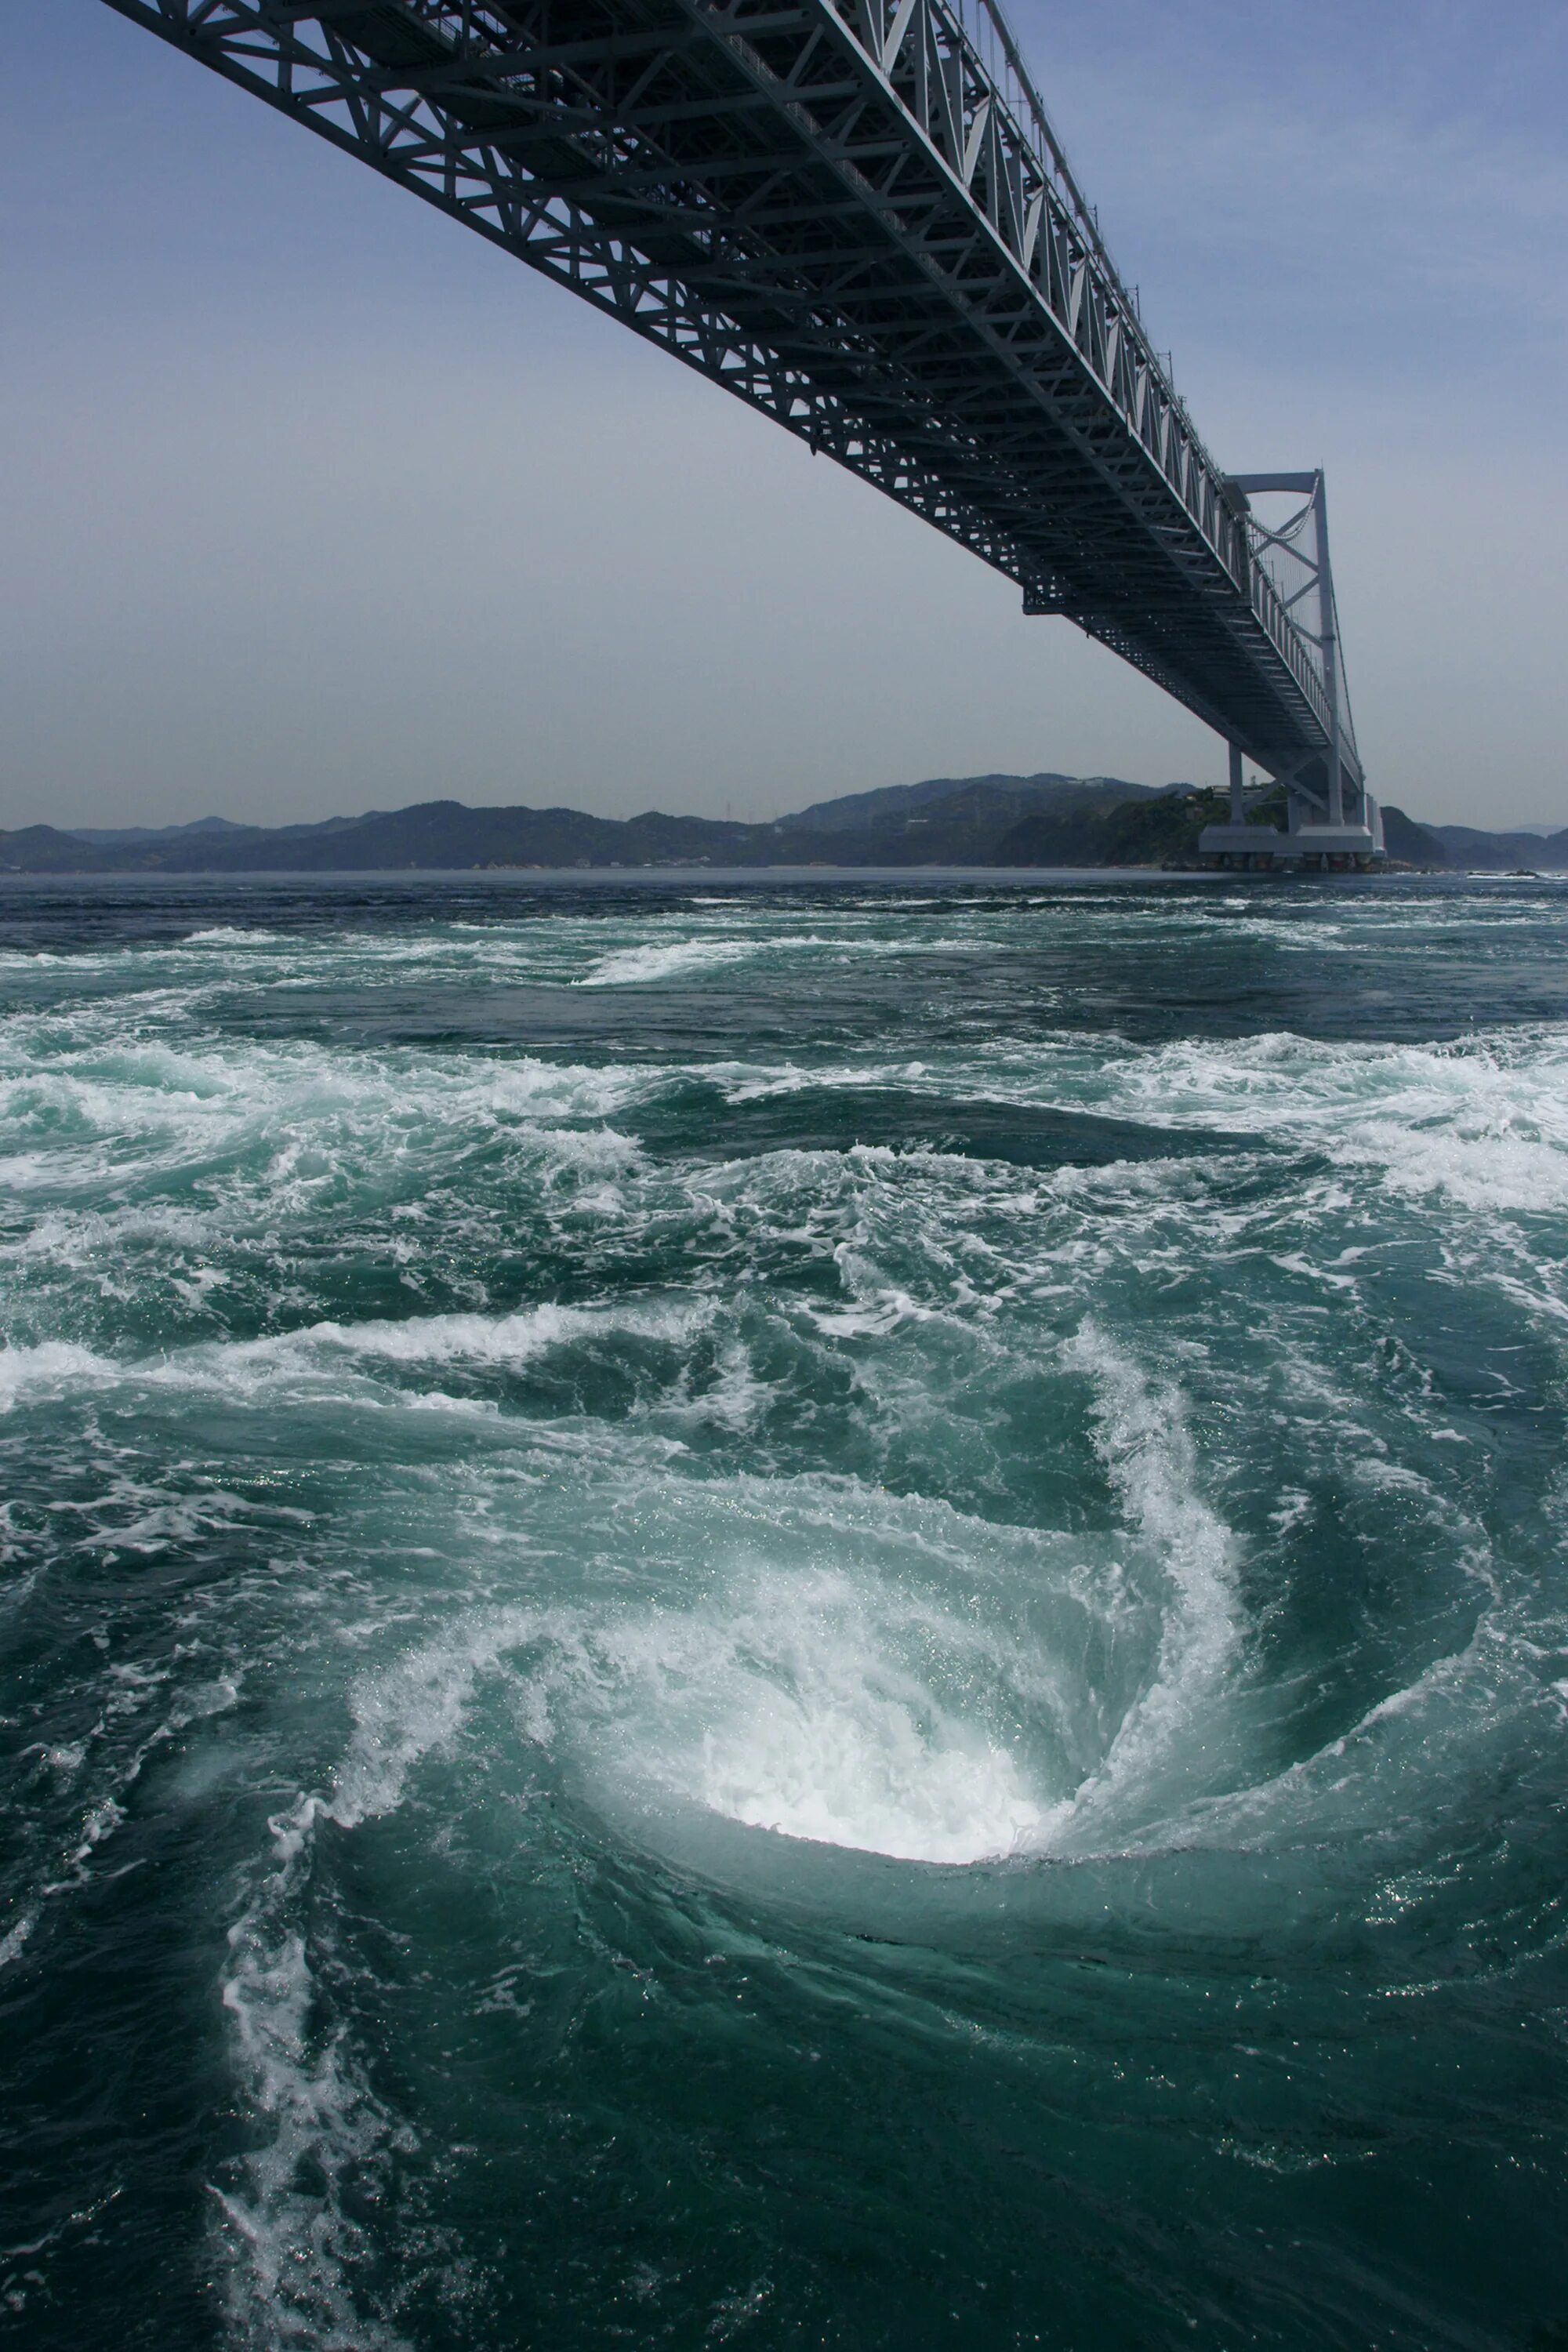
x=752, y=184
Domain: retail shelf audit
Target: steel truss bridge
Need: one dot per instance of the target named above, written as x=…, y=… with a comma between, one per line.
x=855, y=215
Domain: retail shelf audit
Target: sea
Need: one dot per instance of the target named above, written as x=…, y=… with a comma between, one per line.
x=784, y=1611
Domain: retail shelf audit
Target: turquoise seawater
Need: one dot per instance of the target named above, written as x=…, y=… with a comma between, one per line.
x=820, y=1614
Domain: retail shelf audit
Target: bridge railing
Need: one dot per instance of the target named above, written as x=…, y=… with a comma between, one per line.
x=956, y=66
x=993, y=41
x=989, y=125
x=1290, y=640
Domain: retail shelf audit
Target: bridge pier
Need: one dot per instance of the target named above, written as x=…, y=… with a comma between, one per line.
x=1311, y=841
x=1332, y=818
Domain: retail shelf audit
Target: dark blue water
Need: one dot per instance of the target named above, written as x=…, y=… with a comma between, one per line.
x=798, y=1615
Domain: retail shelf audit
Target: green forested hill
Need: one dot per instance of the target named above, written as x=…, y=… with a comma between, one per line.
x=1042, y=820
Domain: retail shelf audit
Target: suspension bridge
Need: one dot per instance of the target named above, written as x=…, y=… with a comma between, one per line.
x=855, y=215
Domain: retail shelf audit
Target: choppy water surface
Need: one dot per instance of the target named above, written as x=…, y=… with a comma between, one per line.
x=820, y=1615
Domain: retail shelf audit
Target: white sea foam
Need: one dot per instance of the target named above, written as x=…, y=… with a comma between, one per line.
x=231, y=935
x=49, y=1370
x=14, y=1942
x=1149, y=1457
x=847, y=1748
x=252, y=1368
x=293, y=2246
x=499, y=1338
x=827, y=1684
x=72, y=1238
x=732, y=1401
x=1485, y=1124
x=659, y=959
x=665, y=960
x=539, y=1089
x=783, y=1705
x=1482, y=1125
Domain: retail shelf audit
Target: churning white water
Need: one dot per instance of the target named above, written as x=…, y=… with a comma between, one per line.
x=829, y=1617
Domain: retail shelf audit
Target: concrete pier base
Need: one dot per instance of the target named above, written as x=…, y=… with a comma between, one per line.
x=1265, y=847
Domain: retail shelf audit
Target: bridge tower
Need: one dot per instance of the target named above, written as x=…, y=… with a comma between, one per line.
x=1330, y=816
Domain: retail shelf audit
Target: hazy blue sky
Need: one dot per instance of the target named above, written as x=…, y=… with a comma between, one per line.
x=315, y=502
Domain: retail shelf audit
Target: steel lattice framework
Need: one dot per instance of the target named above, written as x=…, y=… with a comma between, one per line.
x=855, y=215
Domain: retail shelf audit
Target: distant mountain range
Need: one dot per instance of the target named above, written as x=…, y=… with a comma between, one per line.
x=997, y=820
